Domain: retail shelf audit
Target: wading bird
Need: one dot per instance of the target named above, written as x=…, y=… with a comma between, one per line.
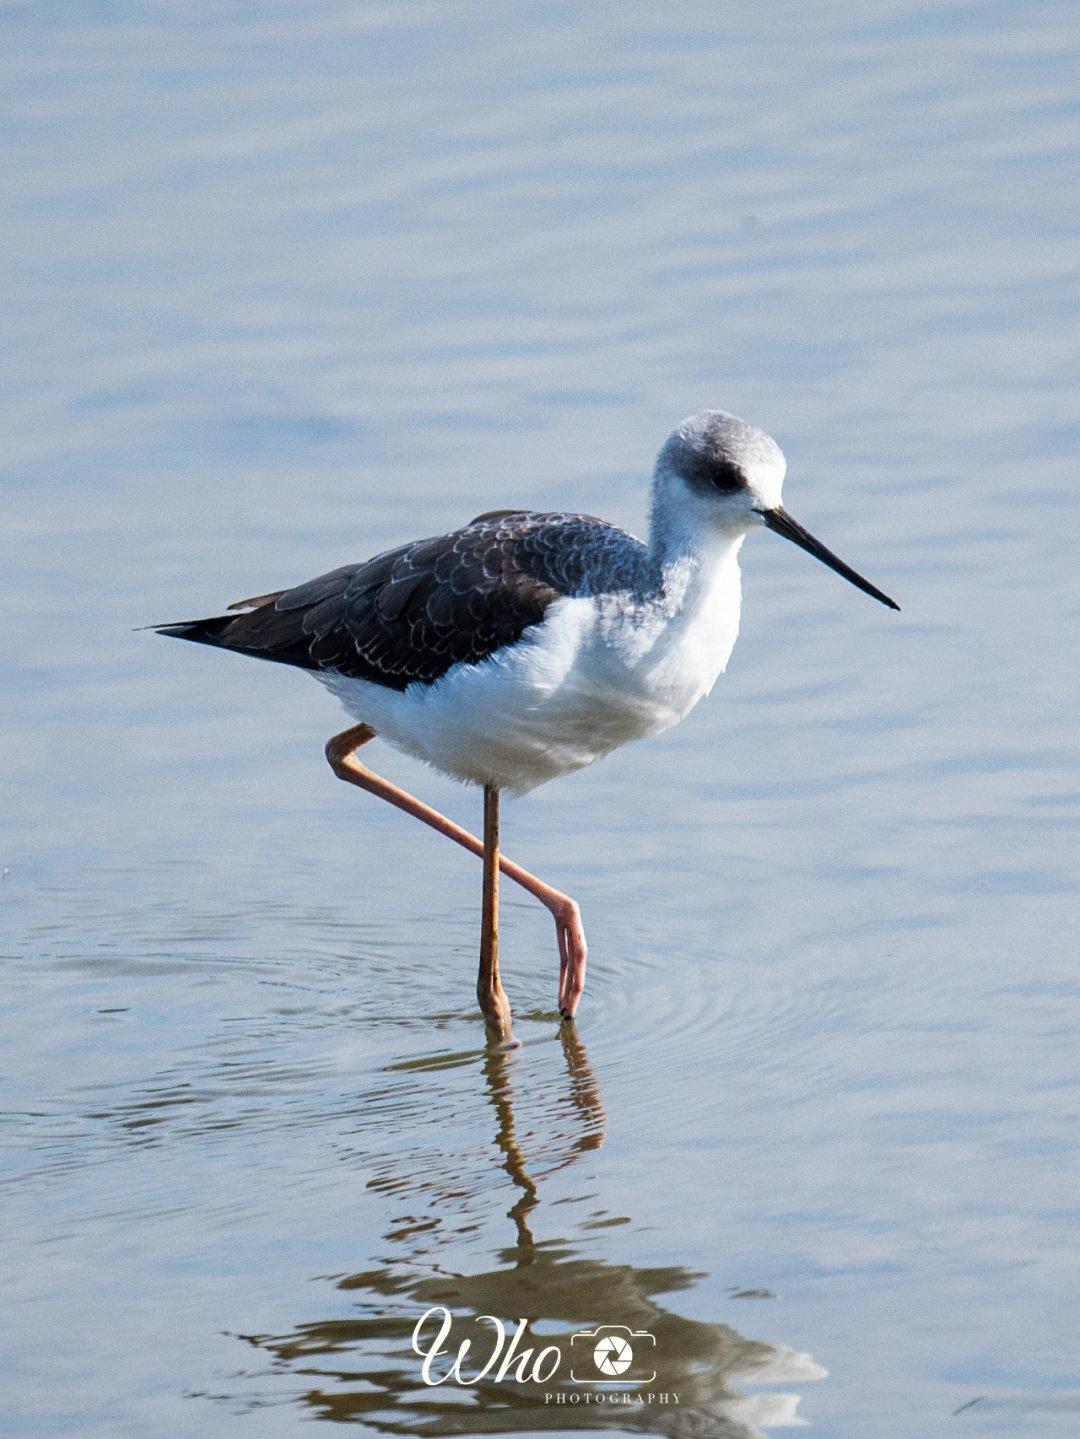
x=524, y=646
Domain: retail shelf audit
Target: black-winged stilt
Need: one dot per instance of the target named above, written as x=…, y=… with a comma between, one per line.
x=524, y=646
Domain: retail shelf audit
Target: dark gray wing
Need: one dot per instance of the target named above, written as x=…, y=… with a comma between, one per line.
x=412, y=613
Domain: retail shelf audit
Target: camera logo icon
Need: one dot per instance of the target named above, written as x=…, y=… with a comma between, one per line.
x=609, y=1352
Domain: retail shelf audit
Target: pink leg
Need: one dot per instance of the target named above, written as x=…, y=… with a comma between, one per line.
x=494, y=1005
x=569, y=931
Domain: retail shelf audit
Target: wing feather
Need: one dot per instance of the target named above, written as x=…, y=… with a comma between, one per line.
x=412, y=613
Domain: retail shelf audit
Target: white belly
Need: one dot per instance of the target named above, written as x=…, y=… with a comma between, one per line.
x=593, y=676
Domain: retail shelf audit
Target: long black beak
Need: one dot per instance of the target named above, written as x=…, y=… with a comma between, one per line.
x=780, y=521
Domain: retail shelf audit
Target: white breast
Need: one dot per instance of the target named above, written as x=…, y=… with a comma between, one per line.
x=597, y=673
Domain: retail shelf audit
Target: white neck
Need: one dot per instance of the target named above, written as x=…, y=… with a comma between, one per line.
x=688, y=536
x=693, y=593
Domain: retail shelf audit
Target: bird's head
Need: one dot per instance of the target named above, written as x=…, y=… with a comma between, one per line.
x=736, y=469
x=730, y=474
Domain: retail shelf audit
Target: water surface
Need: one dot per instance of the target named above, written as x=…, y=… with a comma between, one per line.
x=286, y=288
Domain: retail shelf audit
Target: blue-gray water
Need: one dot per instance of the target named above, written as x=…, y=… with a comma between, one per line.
x=285, y=285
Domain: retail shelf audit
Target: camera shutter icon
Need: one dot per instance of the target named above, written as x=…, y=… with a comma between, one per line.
x=613, y=1355
x=616, y=1353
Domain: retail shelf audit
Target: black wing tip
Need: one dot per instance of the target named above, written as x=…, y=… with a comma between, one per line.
x=205, y=632
x=229, y=632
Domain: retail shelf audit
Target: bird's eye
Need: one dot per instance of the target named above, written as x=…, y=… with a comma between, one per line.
x=726, y=477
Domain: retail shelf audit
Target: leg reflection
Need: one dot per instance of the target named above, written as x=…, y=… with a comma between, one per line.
x=553, y=1291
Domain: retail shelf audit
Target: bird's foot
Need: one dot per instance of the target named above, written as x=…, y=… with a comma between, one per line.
x=499, y=1045
x=495, y=1008
x=570, y=933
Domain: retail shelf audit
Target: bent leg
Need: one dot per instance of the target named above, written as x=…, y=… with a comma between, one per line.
x=569, y=931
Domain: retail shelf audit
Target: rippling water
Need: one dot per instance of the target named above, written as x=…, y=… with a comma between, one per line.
x=287, y=286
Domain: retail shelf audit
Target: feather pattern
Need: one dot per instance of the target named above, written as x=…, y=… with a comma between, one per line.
x=523, y=646
x=411, y=614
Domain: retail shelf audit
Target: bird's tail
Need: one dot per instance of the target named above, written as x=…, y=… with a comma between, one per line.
x=251, y=627
x=203, y=632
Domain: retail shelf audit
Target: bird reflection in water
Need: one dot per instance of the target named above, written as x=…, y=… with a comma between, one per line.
x=364, y=1368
